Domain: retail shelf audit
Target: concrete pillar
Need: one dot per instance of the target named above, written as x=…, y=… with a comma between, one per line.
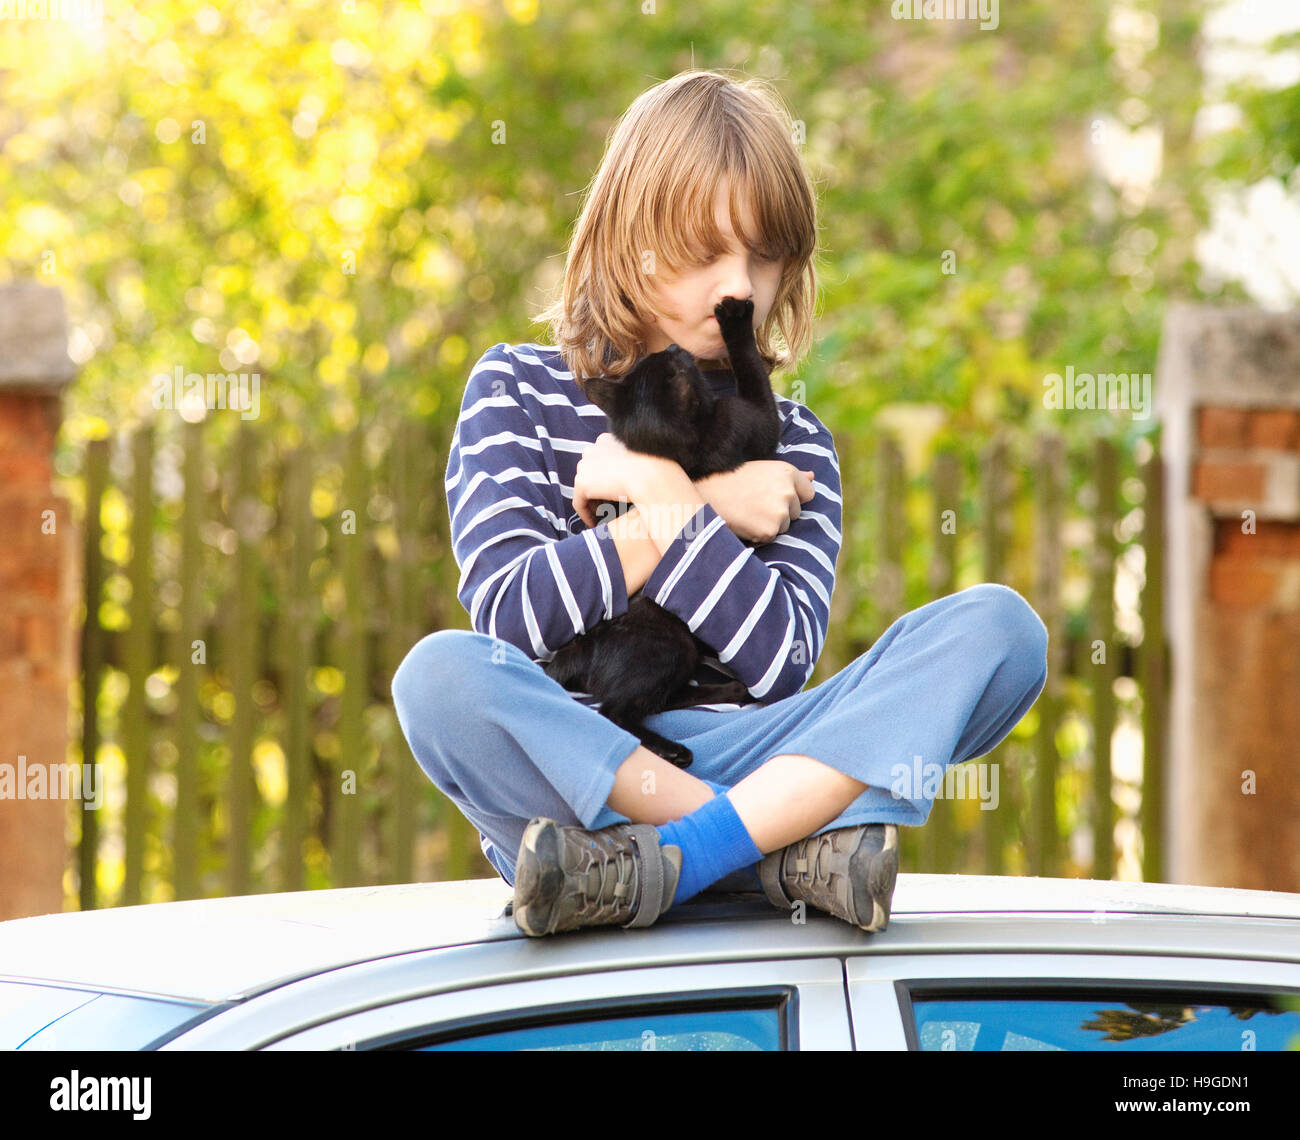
x=39, y=579
x=1228, y=395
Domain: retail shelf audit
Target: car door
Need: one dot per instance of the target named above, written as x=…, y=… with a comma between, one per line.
x=790, y=1004
x=1027, y=1000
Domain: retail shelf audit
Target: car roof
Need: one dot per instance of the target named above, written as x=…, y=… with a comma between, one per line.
x=212, y=950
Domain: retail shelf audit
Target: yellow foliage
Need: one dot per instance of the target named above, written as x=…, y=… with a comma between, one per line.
x=22, y=147
x=414, y=332
x=453, y=351
x=294, y=245
x=322, y=502
x=40, y=224
x=223, y=706
x=154, y=209
x=155, y=179
x=114, y=515
x=346, y=348
x=234, y=153
x=438, y=267
x=342, y=317
x=270, y=771
x=331, y=371
x=327, y=680
x=110, y=873
x=521, y=11
x=344, y=414
x=386, y=541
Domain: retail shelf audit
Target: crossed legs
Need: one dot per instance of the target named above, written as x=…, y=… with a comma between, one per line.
x=772, y=815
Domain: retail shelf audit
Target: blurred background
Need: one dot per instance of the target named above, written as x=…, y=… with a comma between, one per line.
x=353, y=201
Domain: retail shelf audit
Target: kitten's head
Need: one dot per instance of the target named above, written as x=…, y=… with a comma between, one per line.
x=659, y=407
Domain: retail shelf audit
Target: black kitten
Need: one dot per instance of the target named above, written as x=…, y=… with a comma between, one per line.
x=639, y=663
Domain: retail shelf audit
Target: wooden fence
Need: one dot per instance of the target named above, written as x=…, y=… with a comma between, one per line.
x=243, y=623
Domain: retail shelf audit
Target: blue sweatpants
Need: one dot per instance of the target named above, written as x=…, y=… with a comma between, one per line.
x=945, y=683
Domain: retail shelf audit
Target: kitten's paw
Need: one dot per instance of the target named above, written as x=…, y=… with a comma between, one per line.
x=670, y=750
x=732, y=312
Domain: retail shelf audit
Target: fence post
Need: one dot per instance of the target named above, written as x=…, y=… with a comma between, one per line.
x=995, y=545
x=296, y=641
x=1153, y=667
x=93, y=652
x=352, y=647
x=892, y=489
x=138, y=661
x=409, y=469
x=187, y=828
x=1105, y=552
x=938, y=831
x=243, y=656
x=1045, y=850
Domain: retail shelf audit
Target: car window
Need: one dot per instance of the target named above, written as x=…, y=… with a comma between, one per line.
x=695, y=1031
x=1113, y=1021
x=35, y=1016
x=769, y=1003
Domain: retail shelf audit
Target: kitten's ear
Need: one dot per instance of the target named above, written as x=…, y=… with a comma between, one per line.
x=685, y=382
x=601, y=391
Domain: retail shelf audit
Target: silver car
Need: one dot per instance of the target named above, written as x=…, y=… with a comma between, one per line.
x=968, y=962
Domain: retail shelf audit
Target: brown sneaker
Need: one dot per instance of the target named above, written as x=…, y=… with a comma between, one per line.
x=848, y=872
x=568, y=877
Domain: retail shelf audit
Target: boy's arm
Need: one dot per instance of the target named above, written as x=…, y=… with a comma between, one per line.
x=525, y=575
x=528, y=579
x=638, y=554
x=664, y=499
x=765, y=610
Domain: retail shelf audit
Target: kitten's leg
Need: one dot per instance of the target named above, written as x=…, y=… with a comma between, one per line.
x=725, y=692
x=736, y=323
x=629, y=715
x=670, y=750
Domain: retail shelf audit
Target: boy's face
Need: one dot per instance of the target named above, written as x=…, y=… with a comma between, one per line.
x=684, y=301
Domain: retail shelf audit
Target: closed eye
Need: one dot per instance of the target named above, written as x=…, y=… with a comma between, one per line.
x=709, y=259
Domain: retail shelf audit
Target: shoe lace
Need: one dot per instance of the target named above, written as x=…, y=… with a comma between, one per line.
x=808, y=861
x=609, y=883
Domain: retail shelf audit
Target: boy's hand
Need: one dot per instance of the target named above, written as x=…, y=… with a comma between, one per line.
x=759, y=499
x=607, y=470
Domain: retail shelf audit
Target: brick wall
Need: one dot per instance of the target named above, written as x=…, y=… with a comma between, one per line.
x=39, y=572
x=1250, y=458
x=1228, y=396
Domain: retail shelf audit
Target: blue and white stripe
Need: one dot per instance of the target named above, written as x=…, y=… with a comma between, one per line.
x=533, y=574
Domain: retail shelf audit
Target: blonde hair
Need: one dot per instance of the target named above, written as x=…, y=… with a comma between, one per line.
x=654, y=192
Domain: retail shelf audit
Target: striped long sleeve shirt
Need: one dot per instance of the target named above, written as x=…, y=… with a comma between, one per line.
x=533, y=574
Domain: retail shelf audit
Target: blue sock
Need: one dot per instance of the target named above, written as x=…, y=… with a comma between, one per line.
x=713, y=841
x=751, y=872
